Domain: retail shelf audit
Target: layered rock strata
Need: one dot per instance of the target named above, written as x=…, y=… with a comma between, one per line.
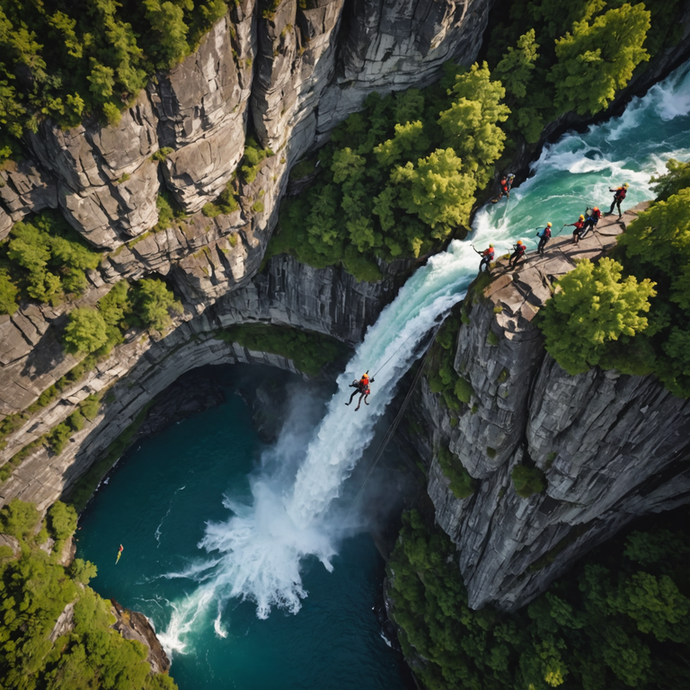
x=290, y=73
x=612, y=447
x=330, y=302
x=266, y=70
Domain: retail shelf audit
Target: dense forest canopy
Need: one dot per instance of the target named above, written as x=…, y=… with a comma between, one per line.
x=620, y=620
x=70, y=60
x=36, y=588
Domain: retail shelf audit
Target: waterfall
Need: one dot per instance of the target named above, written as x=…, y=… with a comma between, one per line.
x=256, y=554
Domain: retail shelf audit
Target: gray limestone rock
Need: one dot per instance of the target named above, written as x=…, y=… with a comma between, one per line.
x=611, y=446
x=202, y=111
x=107, y=184
x=24, y=189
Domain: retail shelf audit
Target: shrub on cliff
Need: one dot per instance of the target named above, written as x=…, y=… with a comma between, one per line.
x=528, y=480
x=43, y=258
x=8, y=294
x=147, y=303
x=85, y=332
x=455, y=390
x=35, y=590
x=619, y=619
x=154, y=303
x=592, y=306
x=461, y=482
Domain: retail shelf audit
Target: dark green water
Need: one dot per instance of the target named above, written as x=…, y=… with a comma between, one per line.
x=156, y=504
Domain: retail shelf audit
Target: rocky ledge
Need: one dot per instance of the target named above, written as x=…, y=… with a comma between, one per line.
x=133, y=625
x=612, y=447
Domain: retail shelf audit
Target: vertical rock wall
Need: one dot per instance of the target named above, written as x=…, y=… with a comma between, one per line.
x=612, y=447
x=289, y=72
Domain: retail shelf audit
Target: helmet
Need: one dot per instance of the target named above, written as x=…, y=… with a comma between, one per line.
x=519, y=241
x=548, y=225
x=626, y=185
x=491, y=246
x=582, y=217
x=596, y=208
x=365, y=376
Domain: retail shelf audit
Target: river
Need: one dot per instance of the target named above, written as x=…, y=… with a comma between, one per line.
x=249, y=559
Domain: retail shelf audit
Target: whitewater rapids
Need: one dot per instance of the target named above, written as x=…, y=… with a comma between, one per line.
x=258, y=552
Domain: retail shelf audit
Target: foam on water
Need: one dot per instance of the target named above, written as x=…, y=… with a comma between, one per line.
x=258, y=552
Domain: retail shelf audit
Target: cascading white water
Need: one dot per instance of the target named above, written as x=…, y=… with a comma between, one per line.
x=257, y=553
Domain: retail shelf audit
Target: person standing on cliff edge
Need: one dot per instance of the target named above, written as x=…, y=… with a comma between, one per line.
x=579, y=224
x=619, y=195
x=544, y=236
x=487, y=257
x=518, y=253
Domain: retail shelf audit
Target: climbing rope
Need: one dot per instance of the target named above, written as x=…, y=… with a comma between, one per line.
x=376, y=373
x=391, y=429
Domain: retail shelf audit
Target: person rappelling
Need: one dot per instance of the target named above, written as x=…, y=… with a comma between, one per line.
x=518, y=252
x=361, y=387
x=504, y=187
x=619, y=195
x=487, y=257
x=579, y=224
x=544, y=236
x=591, y=221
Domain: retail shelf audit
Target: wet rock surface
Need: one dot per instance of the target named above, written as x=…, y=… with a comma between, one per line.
x=133, y=625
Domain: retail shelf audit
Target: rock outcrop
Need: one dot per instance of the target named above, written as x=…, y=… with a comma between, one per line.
x=133, y=625
x=612, y=447
x=289, y=73
x=257, y=70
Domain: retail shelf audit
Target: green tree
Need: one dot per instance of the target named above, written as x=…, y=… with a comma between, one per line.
x=436, y=190
x=592, y=306
x=470, y=125
x=657, y=244
x=409, y=143
x=167, y=21
x=8, y=294
x=675, y=180
x=82, y=571
x=517, y=72
x=86, y=331
x=154, y=303
x=102, y=79
x=516, y=69
x=19, y=519
x=597, y=59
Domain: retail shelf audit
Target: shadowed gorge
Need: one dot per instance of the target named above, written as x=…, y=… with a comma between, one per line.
x=215, y=217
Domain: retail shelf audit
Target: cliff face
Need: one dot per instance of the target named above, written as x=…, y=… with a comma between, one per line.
x=612, y=447
x=288, y=74
x=291, y=73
